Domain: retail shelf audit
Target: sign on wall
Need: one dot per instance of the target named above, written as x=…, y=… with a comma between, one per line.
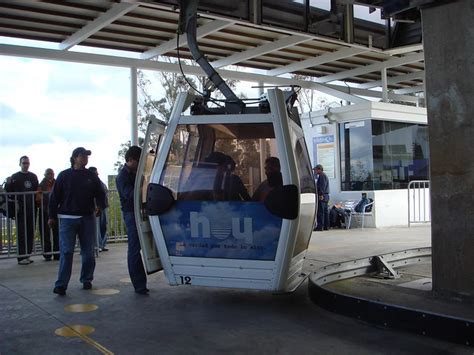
x=324, y=153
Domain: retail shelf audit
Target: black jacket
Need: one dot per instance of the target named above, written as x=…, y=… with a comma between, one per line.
x=23, y=182
x=125, y=181
x=74, y=192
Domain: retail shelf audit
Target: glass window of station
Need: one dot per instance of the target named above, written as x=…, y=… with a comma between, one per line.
x=382, y=155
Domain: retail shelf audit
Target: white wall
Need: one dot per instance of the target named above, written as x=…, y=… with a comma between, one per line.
x=391, y=208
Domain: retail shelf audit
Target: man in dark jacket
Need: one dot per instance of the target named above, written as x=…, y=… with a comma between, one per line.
x=72, y=202
x=323, y=198
x=103, y=216
x=125, y=186
x=24, y=182
x=42, y=199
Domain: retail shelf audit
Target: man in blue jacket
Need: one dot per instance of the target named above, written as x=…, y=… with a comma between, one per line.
x=322, y=184
x=72, y=202
x=125, y=185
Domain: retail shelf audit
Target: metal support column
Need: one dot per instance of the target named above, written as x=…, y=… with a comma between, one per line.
x=262, y=142
x=383, y=74
x=349, y=23
x=134, y=106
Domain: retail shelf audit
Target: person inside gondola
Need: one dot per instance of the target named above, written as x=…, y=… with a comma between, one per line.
x=274, y=179
x=214, y=180
x=227, y=185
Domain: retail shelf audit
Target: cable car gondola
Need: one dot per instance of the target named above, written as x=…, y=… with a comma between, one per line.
x=226, y=194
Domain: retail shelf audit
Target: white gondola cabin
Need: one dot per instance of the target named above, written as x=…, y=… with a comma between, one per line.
x=202, y=218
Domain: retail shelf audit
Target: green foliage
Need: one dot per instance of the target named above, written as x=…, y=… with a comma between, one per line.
x=308, y=99
x=148, y=107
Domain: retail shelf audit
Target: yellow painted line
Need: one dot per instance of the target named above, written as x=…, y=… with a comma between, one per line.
x=74, y=330
x=79, y=308
x=82, y=331
x=105, y=291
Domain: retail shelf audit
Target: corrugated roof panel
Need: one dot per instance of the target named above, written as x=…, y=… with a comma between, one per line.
x=147, y=27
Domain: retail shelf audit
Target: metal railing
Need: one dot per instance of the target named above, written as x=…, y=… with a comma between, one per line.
x=419, y=202
x=23, y=225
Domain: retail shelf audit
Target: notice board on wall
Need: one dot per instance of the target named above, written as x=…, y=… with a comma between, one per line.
x=324, y=153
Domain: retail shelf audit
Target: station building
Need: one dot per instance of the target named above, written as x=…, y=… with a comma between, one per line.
x=376, y=148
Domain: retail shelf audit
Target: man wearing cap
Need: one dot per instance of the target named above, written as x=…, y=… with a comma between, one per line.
x=73, y=202
x=322, y=184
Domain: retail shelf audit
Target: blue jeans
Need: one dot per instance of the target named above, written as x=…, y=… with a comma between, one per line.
x=84, y=228
x=103, y=228
x=134, y=258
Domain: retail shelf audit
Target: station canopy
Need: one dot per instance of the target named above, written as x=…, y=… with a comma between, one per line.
x=334, y=44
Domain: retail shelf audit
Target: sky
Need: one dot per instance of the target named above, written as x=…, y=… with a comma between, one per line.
x=48, y=108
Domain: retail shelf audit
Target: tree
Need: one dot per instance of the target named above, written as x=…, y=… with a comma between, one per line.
x=172, y=84
x=309, y=99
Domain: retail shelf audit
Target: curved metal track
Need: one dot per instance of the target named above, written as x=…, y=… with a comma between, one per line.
x=439, y=326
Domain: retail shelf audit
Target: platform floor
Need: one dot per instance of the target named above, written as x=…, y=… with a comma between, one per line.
x=198, y=320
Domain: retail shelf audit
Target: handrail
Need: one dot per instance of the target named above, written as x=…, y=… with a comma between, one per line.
x=419, y=203
x=9, y=223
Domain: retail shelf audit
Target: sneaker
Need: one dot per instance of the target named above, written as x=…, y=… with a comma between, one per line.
x=59, y=291
x=143, y=291
x=87, y=285
x=24, y=262
x=105, y=249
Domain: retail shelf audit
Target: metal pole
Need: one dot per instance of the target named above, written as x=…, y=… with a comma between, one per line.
x=349, y=23
x=262, y=142
x=134, y=106
x=409, y=202
x=383, y=74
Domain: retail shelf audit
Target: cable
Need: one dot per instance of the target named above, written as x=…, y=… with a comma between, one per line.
x=186, y=79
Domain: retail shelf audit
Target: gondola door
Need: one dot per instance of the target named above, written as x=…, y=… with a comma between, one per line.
x=150, y=151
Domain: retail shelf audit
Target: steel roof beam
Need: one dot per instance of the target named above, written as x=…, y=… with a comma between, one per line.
x=100, y=59
x=115, y=12
x=394, y=62
x=260, y=50
x=413, y=89
x=170, y=45
x=394, y=80
x=404, y=50
x=371, y=93
x=342, y=92
x=322, y=59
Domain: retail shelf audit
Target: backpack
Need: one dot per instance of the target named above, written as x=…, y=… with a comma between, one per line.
x=8, y=206
x=336, y=217
x=360, y=207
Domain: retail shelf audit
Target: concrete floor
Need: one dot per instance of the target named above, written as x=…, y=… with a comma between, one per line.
x=198, y=320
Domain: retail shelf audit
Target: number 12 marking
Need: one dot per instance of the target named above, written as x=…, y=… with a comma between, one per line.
x=185, y=280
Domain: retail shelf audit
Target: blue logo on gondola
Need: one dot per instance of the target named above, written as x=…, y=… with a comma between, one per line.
x=234, y=230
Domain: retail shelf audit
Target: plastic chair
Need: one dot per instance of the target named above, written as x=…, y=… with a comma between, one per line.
x=362, y=215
